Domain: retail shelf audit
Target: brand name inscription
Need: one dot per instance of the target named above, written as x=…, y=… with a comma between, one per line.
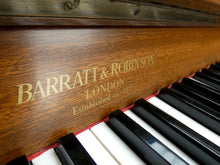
x=58, y=84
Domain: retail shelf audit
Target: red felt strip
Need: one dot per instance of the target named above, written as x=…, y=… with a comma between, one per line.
x=33, y=156
x=103, y=120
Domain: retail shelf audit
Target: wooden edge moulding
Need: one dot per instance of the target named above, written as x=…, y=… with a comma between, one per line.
x=109, y=13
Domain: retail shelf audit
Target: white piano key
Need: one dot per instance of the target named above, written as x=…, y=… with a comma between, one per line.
x=197, y=127
x=115, y=145
x=47, y=158
x=95, y=149
x=160, y=137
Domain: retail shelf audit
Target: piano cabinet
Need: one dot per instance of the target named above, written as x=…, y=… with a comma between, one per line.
x=56, y=79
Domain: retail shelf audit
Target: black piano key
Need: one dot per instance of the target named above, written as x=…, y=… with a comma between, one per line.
x=217, y=64
x=202, y=89
x=195, y=113
x=215, y=67
x=196, y=98
x=212, y=113
x=19, y=161
x=211, y=73
x=214, y=71
x=63, y=155
x=204, y=78
x=75, y=150
x=212, y=77
x=196, y=146
x=139, y=140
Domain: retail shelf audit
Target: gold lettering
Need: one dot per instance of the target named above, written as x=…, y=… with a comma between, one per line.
x=95, y=91
x=41, y=91
x=131, y=65
x=150, y=60
x=27, y=91
x=109, y=86
x=103, y=88
x=128, y=90
x=143, y=61
x=86, y=75
x=122, y=82
x=104, y=73
x=88, y=97
x=64, y=83
x=114, y=68
x=86, y=107
x=21, y=92
x=135, y=64
x=52, y=86
x=94, y=73
x=91, y=104
x=113, y=85
x=119, y=68
x=75, y=112
x=77, y=79
x=128, y=65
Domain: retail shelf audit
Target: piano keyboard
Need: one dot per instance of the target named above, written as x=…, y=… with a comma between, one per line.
x=180, y=125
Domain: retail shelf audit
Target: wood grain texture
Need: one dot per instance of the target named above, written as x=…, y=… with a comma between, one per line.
x=31, y=55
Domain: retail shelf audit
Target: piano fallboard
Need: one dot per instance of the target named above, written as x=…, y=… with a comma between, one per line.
x=54, y=81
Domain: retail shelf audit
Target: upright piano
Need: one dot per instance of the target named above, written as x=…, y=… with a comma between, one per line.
x=67, y=64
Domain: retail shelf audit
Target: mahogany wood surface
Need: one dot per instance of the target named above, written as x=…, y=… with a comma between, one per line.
x=149, y=59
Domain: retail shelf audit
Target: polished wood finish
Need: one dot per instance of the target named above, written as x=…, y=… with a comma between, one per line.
x=55, y=21
x=31, y=55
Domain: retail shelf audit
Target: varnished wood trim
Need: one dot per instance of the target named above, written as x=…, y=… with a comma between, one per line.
x=52, y=21
x=101, y=13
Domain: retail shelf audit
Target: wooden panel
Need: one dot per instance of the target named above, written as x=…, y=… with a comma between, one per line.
x=60, y=80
